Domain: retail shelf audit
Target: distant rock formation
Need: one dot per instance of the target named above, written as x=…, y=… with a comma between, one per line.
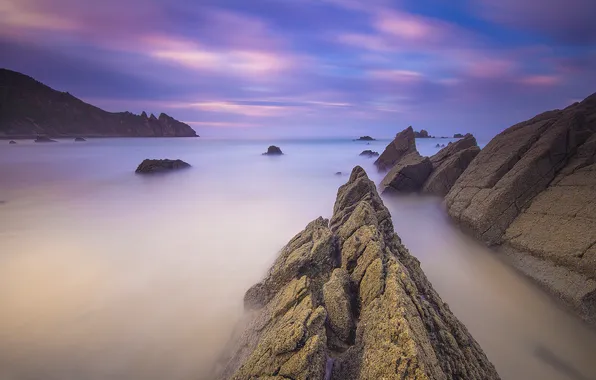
x=338, y=173
x=346, y=300
x=156, y=166
x=12, y=142
x=43, y=139
x=532, y=190
x=79, y=139
x=364, y=138
x=423, y=134
x=458, y=136
x=369, y=153
x=438, y=146
x=403, y=144
x=29, y=108
x=408, y=175
x=449, y=163
x=273, y=151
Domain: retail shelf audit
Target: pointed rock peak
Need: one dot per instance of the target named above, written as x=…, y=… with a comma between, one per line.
x=144, y=115
x=163, y=116
x=356, y=174
x=152, y=117
x=403, y=144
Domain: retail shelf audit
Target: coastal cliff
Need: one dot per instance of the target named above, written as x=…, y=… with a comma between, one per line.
x=346, y=300
x=29, y=108
x=531, y=192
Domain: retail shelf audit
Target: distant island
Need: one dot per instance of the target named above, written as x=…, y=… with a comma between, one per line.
x=458, y=136
x=364, y=138
x=29, y=108
x=423, y=134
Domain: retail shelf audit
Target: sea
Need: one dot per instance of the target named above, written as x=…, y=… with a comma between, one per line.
x=106, y=274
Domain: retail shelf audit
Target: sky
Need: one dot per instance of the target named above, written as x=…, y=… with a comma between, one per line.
x=311, y=67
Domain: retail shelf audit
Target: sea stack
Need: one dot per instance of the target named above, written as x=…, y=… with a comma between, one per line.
x=403, y=144
x=156, y=166
x=273, y=151
x=346, y=300
x=532, y=192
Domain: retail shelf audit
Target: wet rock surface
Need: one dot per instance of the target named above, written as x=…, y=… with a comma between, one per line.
x=532, y=190
x=403, y=144
x=156, y=166
x=346, y=300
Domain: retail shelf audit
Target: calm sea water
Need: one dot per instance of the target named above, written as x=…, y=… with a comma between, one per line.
x=105, y=274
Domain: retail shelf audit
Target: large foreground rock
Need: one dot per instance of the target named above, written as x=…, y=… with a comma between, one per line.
x=346, y=300
x=408, y=175
x=156, y=166
x=403, y=144
x=449, y=163
x=532, y=190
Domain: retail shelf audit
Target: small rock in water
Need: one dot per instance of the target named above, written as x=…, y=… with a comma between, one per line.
x=369, y=153
x=438, y=146
x=365, y=138
x=43, y=139
x=338, y=173
x=79, y=139
x=155, y=166
x=273, y=151
x=442, y=145
x=12, y=142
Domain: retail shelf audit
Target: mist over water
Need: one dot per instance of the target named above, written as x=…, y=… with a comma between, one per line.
x=105, y=274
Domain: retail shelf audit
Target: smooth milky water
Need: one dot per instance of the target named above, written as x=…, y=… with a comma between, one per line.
x=105, y=274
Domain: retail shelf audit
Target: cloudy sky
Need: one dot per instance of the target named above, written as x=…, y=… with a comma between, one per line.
x=311, y=67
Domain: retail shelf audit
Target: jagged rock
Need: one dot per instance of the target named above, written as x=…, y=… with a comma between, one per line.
x=346, y=300
x=12, y=142
x=43, y=139
x=438, y=146
x=30, y=108
x=365, y=138
x=532, y=189
x=273, y=151
x=449, y=163
x=155, y=166
x=423, y=134
x=79, y=139
x=369, y=153
x=403, y=144
x=458, y=136
x=408, y=175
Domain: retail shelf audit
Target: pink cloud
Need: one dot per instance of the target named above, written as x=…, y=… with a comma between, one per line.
x=540, y=80
x=399, y=76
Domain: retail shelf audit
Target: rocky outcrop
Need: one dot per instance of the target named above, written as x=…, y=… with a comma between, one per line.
x=157, y=166
x=408, y=175
x=29, y=108
x=532, y=190
x=423, y=134
x=458, y=136
x=346, y=300
x=12, y=142
x=449, y=163
x=369, y=153
x=79, y=139
x=273, y=151
x=365, y=138
x=403, y=144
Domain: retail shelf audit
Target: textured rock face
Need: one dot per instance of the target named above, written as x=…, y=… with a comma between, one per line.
x=408, y=175
x=346, y=300
x=273, y=151
x=449, y=163
x=369, y=153
x=403, y=144
x=532, y=190
x=28, y=108
x=156, y=166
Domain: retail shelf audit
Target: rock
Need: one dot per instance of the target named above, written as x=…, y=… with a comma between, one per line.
x=532, y=190
x=408, y=175
x=273, y=151
x=365, y=138
x=423, y=134
x=156, y=166
x=338, y=173
x=443, y=145
x=31, y=108
x=369, y=153
x=346, y=300
x=458, y=136
x=78, y=139
x=12, y=142
x=403, y=144
x=438, y=146
x=43, y=139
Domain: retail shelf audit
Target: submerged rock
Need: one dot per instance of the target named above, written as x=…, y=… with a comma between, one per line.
x=273, y=151
x=12, y=142
x=346, y=300
x=156, y=166
x=369, y=153
x=403, y=144
x=449, y=163
x=78, y=139
x=408, y=175
x=532, y=190
x=43, y=139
